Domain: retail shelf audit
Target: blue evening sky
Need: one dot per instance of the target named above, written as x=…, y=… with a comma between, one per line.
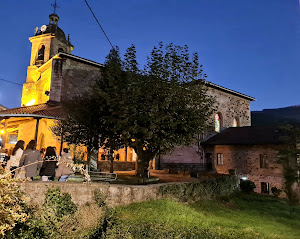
x=248, y=46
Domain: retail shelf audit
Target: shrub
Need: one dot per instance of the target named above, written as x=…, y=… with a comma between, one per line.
x=99, y=198
x=247, y=186
x=276, y=191
x=13, y=204
x=208, y=189
x=62, y=204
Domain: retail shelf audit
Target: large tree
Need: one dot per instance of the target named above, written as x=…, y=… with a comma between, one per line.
x=151, y=110
x=166, y=105
x=91, y=118
x=289, y=158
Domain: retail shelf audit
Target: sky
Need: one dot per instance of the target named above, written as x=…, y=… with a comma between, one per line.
x=252, y=47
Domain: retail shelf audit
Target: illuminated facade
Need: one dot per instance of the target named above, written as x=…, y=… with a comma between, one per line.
x=52, y=76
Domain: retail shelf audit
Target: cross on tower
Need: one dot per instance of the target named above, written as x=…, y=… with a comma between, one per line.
x=54, y=6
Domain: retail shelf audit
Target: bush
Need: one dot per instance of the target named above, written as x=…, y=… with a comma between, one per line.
x=99, y=198
x=62, y=204
x=247, y=186
x=276, y=191
x=208, y=189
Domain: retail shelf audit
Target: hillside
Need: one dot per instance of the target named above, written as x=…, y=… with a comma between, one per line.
x=287, y=115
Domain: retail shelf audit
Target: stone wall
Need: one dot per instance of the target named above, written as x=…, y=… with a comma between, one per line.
x=230, y=107
x=117, y=195
x=71, y=77
x=245, y=159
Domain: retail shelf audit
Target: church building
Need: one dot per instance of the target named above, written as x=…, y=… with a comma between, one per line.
x=55, y=75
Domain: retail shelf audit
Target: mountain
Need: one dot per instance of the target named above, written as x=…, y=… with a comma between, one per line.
x=287, y=115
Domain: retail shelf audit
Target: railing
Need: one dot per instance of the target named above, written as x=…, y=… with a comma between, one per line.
x=190, y=167
x=102, y=176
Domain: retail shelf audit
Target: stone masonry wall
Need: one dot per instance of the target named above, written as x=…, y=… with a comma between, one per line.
x=245, y=159
x=117, y=195
x=70, y=77
x=230, y=106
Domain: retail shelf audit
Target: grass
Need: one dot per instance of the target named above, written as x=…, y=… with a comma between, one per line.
x=243, y=216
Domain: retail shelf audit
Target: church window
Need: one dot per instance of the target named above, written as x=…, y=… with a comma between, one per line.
x=219, y=159
x=263, y=160
x=235, y=122
x=218, y=122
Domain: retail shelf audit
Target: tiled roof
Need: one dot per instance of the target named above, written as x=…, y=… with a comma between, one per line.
x=250, y=135
x=41, y=111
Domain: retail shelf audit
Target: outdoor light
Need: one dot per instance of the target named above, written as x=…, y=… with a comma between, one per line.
x=31, y=102
x=2, y=131
x=244, y=178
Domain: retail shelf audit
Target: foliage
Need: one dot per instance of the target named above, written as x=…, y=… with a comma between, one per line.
x=276, y=191
x=151, y=110
x=247, y=186
x=59, y=217
x=208, y=189
x=62, y=204
x=99, y=198
x=289, y=158
x=245, y=216
x=13, y=204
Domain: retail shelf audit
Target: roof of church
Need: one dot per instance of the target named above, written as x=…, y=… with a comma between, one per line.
x=249, y=135
x=229, y=91
x=71, y=56
x=39, y=111
x=210, y=84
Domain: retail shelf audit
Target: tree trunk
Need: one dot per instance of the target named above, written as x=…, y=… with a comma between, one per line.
x=143, y=163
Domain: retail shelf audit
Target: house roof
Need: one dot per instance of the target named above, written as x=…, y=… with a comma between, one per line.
x=47, y=111
x=249, y=135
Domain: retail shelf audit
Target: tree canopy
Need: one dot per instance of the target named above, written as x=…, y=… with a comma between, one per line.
x=152, y=110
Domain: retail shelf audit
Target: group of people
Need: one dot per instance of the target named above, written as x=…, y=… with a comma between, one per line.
x=31, y=162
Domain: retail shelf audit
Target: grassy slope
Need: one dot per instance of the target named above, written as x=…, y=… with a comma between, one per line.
x=254, y=216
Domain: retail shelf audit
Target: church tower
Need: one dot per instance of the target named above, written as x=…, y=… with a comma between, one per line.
x=48, y=40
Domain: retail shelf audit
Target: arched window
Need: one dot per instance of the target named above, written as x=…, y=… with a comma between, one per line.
x=235, y=122
x=218, y=122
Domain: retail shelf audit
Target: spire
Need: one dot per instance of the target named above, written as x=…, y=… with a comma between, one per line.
x=55, y=7
x=54, y=17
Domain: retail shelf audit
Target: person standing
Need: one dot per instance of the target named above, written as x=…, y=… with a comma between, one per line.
x=32, y=158
x=64, y=171
x=14, y=161
x=49, y=164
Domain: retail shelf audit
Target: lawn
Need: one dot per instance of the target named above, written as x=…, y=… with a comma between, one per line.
x=243, y=216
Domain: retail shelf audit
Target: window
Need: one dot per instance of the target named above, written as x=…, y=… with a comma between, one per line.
x=263, y=160
x=218, y=122
x=219, y=159
x=236, y=122
x=265, y=188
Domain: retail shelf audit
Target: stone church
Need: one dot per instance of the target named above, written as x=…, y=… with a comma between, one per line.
x=54, y=74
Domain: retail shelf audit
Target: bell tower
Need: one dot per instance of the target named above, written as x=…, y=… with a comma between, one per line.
x=48, y=40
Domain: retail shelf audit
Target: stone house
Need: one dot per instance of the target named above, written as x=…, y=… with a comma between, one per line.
x=55, y=75
x=250, y=152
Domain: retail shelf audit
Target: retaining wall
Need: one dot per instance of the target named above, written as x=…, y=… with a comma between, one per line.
x=117, y=195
